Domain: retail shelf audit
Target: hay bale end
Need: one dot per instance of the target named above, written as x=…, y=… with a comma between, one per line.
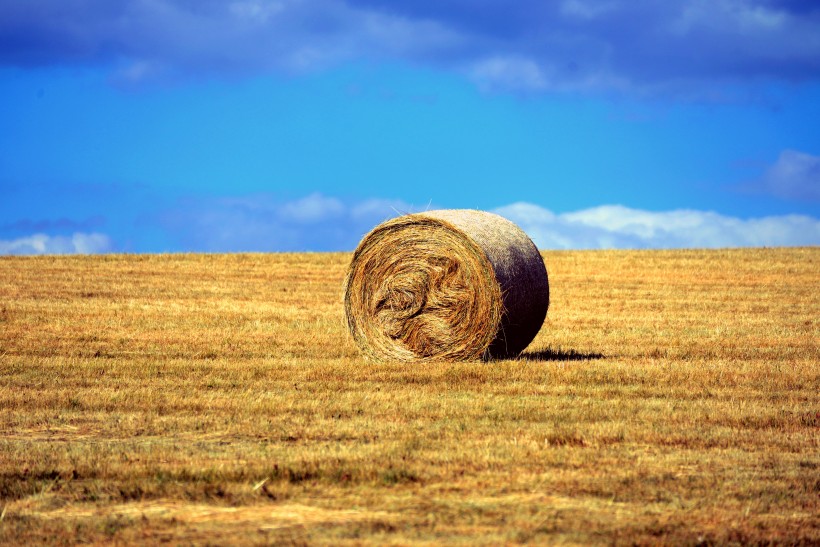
x=445, y=285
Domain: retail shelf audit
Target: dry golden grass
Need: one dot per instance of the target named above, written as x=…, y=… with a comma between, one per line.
x=671, y=397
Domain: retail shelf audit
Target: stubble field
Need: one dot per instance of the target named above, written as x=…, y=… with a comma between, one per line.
x=671, y=396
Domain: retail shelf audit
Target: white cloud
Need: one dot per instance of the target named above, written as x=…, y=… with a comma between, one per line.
x=311, y=209
x=615, y=226
x=521, y=74
x=78, y=243
x=794, y=175
x=514, y=73
x=257, y=11
x=728, y=15
x=586, y=9
x=135, y=72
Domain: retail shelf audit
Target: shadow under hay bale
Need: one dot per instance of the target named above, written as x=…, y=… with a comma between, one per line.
x=446, y=285
x=550, y=354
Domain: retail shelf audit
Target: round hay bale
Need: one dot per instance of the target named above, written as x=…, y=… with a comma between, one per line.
x=445, y=285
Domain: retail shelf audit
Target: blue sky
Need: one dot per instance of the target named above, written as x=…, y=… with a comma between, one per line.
x=252, y=125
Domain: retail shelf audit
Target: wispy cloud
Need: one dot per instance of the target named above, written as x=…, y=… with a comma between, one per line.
x=266, y=223
x=795, y=175
x=29, y=226
x=531, y=45
x=39, y=244
x=618, y=227
x=172, y=38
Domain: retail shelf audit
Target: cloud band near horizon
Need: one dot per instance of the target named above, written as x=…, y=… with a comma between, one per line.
x=261, y=223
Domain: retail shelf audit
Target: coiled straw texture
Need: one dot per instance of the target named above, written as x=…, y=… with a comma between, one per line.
x=445, y=285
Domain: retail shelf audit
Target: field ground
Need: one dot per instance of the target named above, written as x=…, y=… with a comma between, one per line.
x=671, y=396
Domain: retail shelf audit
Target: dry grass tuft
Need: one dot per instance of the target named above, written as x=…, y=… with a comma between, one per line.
x=446, y=285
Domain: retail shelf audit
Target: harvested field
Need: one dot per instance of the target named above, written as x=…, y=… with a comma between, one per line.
x=672, y=396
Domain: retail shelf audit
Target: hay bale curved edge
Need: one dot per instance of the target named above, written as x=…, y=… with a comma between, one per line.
x=445, y=285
